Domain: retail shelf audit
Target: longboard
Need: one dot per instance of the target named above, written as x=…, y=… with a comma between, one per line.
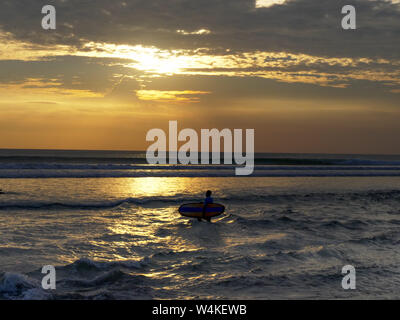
x=195, y=210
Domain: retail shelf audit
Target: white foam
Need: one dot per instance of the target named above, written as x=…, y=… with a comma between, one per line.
x=20, y=286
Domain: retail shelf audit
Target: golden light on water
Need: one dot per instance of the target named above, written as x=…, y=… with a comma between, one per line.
x=148, y=227
x=152, y=186
x=158, y=225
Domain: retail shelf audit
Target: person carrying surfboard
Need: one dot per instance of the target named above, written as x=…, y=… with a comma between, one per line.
x=202, y=210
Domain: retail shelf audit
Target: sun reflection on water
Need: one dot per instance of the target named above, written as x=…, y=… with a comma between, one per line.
x=150, y=222
x=158, y=186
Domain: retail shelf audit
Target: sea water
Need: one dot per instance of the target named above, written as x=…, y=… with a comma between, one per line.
x=109, y=224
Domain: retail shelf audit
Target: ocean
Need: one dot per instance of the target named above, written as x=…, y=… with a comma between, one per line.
x=109, y=224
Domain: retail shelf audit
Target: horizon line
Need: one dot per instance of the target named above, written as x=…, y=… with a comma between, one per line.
x=268, y=152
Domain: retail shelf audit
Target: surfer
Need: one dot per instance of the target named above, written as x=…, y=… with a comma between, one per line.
x=202, y=210
x=207, y=201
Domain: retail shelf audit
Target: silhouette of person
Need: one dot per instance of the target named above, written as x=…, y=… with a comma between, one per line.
x=207, y=201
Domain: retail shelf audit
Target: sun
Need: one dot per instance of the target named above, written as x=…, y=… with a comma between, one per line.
x=156, y=61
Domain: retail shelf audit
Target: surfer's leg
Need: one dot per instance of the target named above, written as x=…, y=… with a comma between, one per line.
x=198, y=219
x=208, y=219
x=204, y=212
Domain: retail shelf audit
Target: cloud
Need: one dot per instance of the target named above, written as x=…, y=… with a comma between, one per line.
x=297, y=26
x=72, y=75
x=43, y=102
x=45, y=87
x=149, y=62
x=101, y=46
x=186, y=96
x=198, y=32
x=268, y=3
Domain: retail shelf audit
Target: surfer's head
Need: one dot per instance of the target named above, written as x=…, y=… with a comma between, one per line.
x=208, y=193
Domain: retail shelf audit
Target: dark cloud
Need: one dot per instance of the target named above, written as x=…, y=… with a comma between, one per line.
x=80, y=73
x=230, y=89
x=299, y=26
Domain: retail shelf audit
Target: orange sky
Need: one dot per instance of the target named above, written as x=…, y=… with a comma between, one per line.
x=102, y=91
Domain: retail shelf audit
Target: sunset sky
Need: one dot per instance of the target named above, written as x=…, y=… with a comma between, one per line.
x=112, y=70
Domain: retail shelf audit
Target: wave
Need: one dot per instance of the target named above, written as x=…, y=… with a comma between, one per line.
x=139, y=157
x=20, y=286
x=162, y=201
x=314, y=279
x=32, y=205
x=202, y=173
x=85, y=264
x=82, y=273
x=364, y=162
x=109, y=164
x=345, y=165
x=385, y=238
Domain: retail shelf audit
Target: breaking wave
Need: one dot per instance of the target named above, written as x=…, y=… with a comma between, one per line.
x=162, y=201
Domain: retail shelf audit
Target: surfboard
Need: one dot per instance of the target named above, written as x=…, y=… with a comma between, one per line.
x=195, y=210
